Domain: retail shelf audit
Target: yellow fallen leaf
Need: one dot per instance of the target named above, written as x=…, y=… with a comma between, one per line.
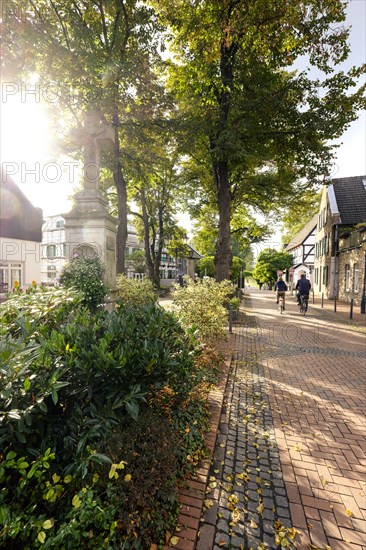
x=174, y=540
x=208, y=503
x=297, y=448
x=260, y=509
x=349, y=513
x=253, y=524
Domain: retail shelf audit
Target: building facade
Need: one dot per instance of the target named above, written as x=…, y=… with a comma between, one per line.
x=20, y=238
x=352, y=264
x=339, y=261
x=302, y=248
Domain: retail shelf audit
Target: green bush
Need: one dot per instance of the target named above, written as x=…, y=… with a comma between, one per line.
x=86, y=275
x=68, y=389
x=135, y=292
x=90, y=456
x=201, y=305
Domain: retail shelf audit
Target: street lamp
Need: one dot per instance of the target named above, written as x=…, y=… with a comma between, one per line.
x=363, y=299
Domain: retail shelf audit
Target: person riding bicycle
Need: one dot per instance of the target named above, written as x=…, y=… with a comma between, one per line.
x=303, y=287
x=280, y=287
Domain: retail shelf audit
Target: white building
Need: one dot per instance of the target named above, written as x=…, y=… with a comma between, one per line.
x=54, y=249
x=302, y=248
x=20, y=238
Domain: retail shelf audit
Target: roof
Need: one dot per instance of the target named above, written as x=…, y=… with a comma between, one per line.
x=350, y=194
x=303, y=234
x=194, y=254
x=19, y=219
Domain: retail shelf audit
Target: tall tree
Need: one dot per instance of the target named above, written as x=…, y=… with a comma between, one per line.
x=91, y=55
x=299, y=212
x=268, y=263
x=262, y=127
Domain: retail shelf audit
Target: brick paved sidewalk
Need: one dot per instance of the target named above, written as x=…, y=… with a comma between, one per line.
x=341, y=315
x=291, y=445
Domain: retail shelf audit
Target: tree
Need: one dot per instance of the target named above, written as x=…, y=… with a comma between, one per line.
x=244, y=230
x=268, y=263
x=155, y=181
x=91, y=55
x=261, y=127
x=206, y=267
x=137, y=261
x=299, y=212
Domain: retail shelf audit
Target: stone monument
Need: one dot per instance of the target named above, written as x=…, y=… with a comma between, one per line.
x=89, y=228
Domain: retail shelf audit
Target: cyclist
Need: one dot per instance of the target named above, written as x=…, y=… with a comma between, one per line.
x=303, y=287
x=280, y=287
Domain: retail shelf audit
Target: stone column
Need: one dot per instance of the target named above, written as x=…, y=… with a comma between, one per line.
x=88, y=226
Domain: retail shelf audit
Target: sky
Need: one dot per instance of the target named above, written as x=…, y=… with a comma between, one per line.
x=27, y=148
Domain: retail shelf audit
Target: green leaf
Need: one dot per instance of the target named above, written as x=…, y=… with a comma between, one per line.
x=100, y=458
x=11, y=455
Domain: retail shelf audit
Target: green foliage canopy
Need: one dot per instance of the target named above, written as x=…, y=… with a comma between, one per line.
x=258, y=127
x=268, y=262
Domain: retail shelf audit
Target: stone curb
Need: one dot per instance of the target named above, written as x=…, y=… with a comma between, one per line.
x=192, y=498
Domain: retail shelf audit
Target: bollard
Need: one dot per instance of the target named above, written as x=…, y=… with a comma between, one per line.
x=230, y=318
x=351, y=310
x=313, y=298
x=335, y=304
x=322, y=299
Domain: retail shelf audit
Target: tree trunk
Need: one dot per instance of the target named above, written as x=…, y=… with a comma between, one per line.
x=121, y=187
x=223, y=256
x=145, y=221
x=220, y=164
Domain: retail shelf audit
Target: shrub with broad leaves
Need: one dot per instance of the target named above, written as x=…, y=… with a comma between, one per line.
x=86, y=276
x=135, y=292
x=201, y=305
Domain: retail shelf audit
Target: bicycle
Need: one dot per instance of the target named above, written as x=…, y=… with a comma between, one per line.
x=304, y=299
x=281, y=305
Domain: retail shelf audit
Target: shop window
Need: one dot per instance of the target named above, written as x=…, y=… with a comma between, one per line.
x=11, y=273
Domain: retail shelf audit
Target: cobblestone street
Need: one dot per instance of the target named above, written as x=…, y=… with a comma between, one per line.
x=290, y=452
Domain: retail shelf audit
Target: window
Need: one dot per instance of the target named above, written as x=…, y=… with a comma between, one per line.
x=325, y=275
x=60, y=224
x=347, y=277
x=316, y=275
x=356, y=276
x=51, y=251
x=51, y=272
x=9, y=273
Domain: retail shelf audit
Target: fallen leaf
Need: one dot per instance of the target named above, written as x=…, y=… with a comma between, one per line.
x=349, y=513
x=253, y=524
x=174, y=540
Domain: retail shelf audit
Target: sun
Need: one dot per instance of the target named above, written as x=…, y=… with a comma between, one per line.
x=28, y=149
